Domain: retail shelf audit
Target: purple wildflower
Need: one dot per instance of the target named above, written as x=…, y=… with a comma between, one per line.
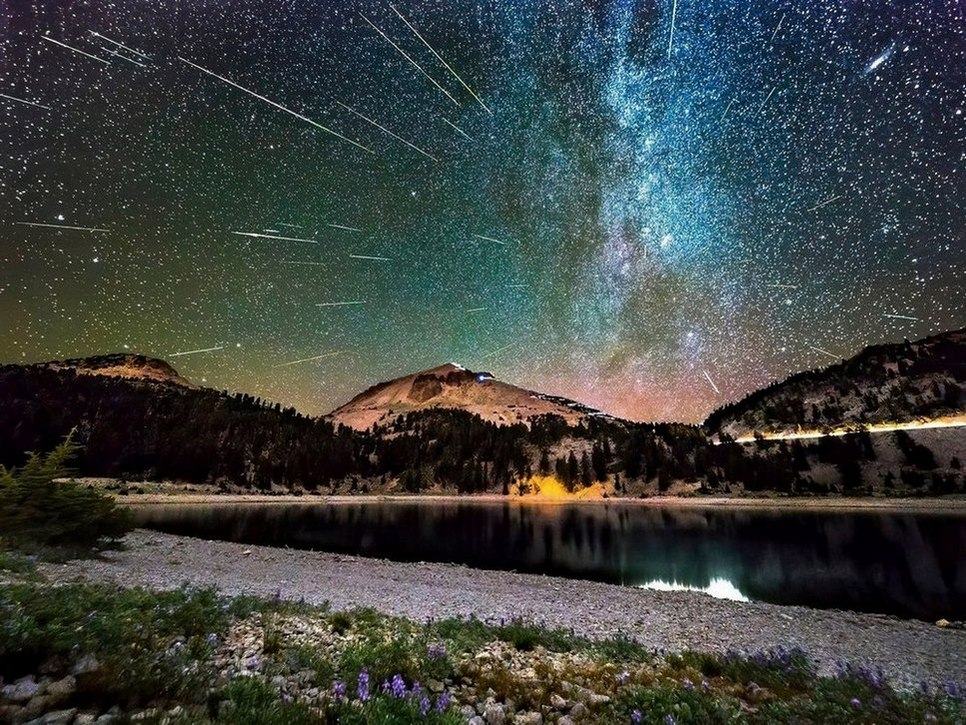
x=443, y=701
x=855, y=702
x=623, y=678
x=670, y=720
x=953, y=690
x=397, y=686
x=423, y=705
x=436, y=651
x=636, y=717
x=363, y=688
x=687, y=684
x=338, y=690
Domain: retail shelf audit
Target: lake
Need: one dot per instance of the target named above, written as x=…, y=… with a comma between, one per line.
x=907, y=564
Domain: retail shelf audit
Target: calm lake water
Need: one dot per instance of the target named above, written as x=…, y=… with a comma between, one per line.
x=908, y=564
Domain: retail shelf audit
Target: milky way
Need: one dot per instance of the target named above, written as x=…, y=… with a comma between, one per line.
x=300, y=199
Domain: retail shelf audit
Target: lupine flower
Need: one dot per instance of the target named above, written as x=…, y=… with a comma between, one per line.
x=669, y=720
x=687, y=684
x=443, y=701
x=623, y=677
x=397, y=686
x=436, y=651
x=363, y=689
x=423, y=705
x=636, y=717
x=338, y=690
x=855, y=702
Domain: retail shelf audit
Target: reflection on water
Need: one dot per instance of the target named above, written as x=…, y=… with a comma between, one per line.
x=718, y=588
x=901, y=563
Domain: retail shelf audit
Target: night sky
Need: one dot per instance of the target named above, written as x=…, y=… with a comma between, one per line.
x=651, y=207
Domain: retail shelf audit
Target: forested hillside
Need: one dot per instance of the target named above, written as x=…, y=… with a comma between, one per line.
x=882, y=384
x=154, y=429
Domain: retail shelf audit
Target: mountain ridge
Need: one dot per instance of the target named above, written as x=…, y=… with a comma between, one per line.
x=131, y=366
x=887, y=383
x=453, y=386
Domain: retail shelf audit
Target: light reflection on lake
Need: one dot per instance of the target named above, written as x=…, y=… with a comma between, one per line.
x=909, y=564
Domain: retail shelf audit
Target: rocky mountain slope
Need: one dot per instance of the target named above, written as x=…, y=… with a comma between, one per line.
x=453, y=386
x=121, y=365
x=881, y=385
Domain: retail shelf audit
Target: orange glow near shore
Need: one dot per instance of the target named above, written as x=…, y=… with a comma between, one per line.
x=953, y=422
x=552, y=488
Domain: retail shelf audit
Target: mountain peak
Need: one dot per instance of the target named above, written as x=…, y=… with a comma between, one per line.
x=454, y=386
x=130, y=366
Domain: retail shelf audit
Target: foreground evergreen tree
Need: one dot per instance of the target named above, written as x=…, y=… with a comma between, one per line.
x=39, y=508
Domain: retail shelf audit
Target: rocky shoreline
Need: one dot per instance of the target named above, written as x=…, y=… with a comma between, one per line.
x=909, y=652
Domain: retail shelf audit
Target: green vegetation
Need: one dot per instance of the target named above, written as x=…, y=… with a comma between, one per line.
x=38, y=510
x=193, y=650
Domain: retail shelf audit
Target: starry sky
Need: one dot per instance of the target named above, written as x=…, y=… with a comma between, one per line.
x=651, y=206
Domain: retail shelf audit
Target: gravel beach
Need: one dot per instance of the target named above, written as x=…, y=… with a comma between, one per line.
x=908, y=651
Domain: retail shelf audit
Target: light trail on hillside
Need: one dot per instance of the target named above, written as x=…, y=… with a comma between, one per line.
x=871, y=428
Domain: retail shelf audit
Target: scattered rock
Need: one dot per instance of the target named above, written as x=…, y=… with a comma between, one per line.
x=85, y=665
x=21, y=690
x=493, y=714
x=59, y=717
x=557, y=702
x=60, y=690
x=579, y=710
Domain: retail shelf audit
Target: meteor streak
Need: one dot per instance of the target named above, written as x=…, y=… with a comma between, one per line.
x=386, y=130
x=489, y=239
x=342, y=226
x=458, y=130
x=257, y=235
x=339, y=304
x=310, y=359
x=195, y=352
x=112, y=51
x=290, y=226
x=901, y=317
x=674, y=14
x=777, y=28
x=119, y=45
x=497, y=351
x=827, y=202
x=768, y=97
x=708, y=377
x=440, y=59
x=728, y=108
x=295, y=261
x=62, y=226
x=475, y=309
x=21, y=100
x=783, y=286
x=279, y=106
x=366, y=256
x=824, y=352
x=405, y=55
x=76, y=50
